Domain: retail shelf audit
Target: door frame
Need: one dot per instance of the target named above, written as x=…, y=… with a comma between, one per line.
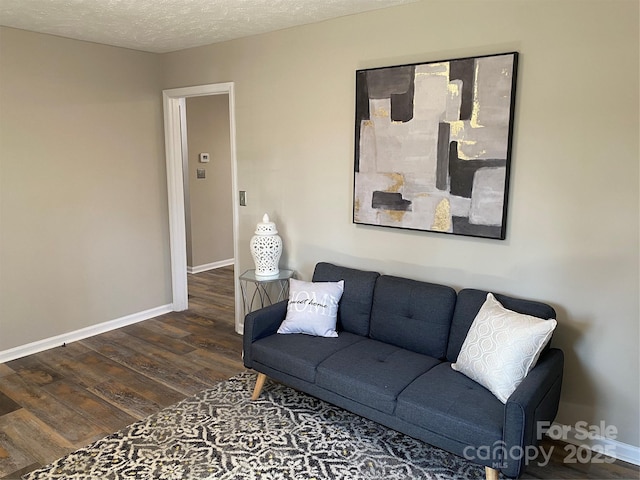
x=173, y=99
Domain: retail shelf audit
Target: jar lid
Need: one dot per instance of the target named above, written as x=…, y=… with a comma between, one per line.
x=266, y=227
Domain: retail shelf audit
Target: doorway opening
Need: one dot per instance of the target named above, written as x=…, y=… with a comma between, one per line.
x=174, y=101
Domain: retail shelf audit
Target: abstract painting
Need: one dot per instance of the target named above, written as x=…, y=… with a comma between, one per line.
x=433, y=145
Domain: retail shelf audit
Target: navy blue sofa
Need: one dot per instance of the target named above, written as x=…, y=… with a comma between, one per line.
x=391, y=363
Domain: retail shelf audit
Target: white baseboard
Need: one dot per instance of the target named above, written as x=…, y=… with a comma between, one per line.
x=599, y=445
x=58, y=340
x=210, y=266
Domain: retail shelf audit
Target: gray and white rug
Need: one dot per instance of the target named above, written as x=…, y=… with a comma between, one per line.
x=221, y=434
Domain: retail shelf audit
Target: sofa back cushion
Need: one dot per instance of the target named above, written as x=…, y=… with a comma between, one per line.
x=469, y=302
x=354, y=308
x=413, y=315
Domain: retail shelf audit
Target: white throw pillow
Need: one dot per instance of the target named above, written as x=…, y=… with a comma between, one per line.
x=312, y=308
x=501, y=347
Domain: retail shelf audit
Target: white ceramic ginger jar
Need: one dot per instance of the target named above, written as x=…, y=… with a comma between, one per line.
x=266, y=248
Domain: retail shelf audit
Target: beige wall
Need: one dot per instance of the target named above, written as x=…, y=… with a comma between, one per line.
x=572, y=235
x=210, y=225
x=83, y=209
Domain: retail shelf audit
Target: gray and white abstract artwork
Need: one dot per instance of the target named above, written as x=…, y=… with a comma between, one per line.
x=433, y=145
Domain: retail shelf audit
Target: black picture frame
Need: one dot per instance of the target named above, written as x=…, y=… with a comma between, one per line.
x=433, y=145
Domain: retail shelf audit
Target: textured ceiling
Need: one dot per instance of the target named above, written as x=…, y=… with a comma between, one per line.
x=167, y=25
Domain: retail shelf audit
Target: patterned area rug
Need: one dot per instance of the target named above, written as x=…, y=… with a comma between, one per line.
x=221, y=434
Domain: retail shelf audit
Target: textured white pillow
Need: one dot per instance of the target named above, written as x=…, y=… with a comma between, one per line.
x=312, y=308
x=502, y=347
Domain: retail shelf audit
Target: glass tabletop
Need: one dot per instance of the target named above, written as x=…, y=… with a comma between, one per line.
x=250, y=275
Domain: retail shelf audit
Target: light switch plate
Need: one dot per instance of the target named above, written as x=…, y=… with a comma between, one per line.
x=204, y=158
x=201, y=173
x=243, y=198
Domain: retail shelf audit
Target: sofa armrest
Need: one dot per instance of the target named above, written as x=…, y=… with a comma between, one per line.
x=535, y=400
x=259, y=324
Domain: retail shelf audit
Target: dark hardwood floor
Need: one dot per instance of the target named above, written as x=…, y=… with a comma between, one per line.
x=57, y=401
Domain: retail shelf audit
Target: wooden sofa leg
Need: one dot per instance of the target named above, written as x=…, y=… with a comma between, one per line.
x=491, y=473
x=258, y=388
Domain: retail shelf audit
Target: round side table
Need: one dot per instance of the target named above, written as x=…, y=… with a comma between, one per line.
x=264, y=289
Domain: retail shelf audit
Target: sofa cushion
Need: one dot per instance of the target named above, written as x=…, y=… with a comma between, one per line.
x=413, y=315
x=468, y=305
x=298, y=354
x=443, y=400
x=502, y=347
x=372, y=373
x=312, y=308
x=355, y=305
